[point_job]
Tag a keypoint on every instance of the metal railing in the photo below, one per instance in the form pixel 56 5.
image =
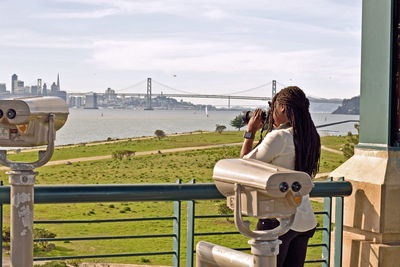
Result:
pixel 176 193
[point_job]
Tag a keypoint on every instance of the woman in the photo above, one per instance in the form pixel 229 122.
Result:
pixel 293 144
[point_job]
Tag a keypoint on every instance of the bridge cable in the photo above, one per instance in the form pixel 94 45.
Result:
pixel 131 86
pixel 281 84
pixel 237 92
pixel 181 91
pixel 251 89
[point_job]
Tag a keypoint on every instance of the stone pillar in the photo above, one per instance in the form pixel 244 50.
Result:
pixel 372 213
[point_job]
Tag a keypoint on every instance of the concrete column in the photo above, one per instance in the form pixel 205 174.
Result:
pixel 22 183
pixel 372 213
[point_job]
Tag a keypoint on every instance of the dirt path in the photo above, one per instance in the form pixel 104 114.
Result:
pixel 180 149
pixel 332 150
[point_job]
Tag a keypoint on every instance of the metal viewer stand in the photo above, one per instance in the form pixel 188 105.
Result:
pixel 264 244
pixel 22 181
pixel 261 190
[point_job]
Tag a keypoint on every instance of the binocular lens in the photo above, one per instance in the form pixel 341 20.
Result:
pixel 283 187
pixel 1 114
pixel 11 113
pixel 296 186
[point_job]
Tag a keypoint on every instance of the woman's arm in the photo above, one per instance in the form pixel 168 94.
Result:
pixel 255 124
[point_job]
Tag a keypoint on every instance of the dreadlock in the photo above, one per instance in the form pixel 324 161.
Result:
pixel 306 139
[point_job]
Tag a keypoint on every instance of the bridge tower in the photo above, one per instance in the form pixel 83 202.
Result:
pixel 273 88
pixel 148 95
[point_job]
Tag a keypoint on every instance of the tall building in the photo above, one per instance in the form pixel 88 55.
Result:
pixel 58 82
pixel 44 91
pixel 19 88
pixel 110 96
pixel 54 88
pixel 72 101
pixel 79 101
pixel 91 101
pixel 2 87
pixel 39 85
pixel 14 79
pixel 34 90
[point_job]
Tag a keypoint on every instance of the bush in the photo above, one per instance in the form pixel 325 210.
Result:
pixel 43 245
pixel 52 264
pixel 160 134
pixel 120 154
pixel 6 234
pixel 220 128
pixel 223 209
pixel 352 140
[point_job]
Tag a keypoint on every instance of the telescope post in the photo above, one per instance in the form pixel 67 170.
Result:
pixel 21 230
pixel 22 181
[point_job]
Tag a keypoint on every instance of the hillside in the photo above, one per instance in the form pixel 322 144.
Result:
pixel 349 106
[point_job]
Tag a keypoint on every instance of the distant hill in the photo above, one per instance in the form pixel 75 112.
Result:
pixel 349 106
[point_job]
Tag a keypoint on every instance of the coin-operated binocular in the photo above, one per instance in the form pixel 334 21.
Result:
pixel 27 122
pixel 260 190
pixel 24 122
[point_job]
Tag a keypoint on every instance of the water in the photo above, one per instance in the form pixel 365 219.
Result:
pixel 85 125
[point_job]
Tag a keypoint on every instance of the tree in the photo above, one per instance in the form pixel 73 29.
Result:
pixel 160 134
pixel 352 140
pixel 220 128
pixel 237 122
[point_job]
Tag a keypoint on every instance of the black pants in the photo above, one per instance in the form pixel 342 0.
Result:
pixel 292 251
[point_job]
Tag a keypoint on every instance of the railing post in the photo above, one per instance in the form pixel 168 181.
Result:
pixel 190 230
pixel 326 234
pixel 338 230
pixel 177 232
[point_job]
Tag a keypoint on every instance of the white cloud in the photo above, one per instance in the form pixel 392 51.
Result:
pixel 94 14
pixel 29 39
pixel 204 56
pixel 314 42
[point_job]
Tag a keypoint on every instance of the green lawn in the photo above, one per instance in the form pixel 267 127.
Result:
pixel 150 144
pixel 157 168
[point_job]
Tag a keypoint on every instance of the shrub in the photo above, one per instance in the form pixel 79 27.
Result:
pixel 43 245
pixel 120 154
pixel 160 134
pixel 224 210
pixel 220 128
pixel 352 140
pixel 6 234
pixel 52 264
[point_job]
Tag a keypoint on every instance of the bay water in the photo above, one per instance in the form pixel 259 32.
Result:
pixel 87 125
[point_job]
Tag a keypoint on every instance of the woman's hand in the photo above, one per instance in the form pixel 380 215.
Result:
pixel 255 122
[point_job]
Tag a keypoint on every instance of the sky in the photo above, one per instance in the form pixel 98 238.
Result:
pixel 200 46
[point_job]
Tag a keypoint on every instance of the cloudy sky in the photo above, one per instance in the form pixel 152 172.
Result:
pixel 202 46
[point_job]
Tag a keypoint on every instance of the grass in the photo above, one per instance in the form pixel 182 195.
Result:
pixel 138 145
pixel 152 143
pixel 156 168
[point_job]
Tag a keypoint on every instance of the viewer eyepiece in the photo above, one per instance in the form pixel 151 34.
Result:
pixel 11 113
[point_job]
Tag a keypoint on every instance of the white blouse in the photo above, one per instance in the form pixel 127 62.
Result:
pixel 278 149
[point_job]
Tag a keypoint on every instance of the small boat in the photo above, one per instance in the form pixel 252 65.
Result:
pixel 206 111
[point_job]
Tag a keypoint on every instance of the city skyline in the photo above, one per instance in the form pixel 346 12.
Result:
pixel 212 47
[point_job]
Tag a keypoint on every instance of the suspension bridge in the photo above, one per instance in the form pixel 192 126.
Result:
pixel 149 94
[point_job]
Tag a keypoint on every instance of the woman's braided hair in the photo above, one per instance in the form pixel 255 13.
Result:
pixel 305 136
